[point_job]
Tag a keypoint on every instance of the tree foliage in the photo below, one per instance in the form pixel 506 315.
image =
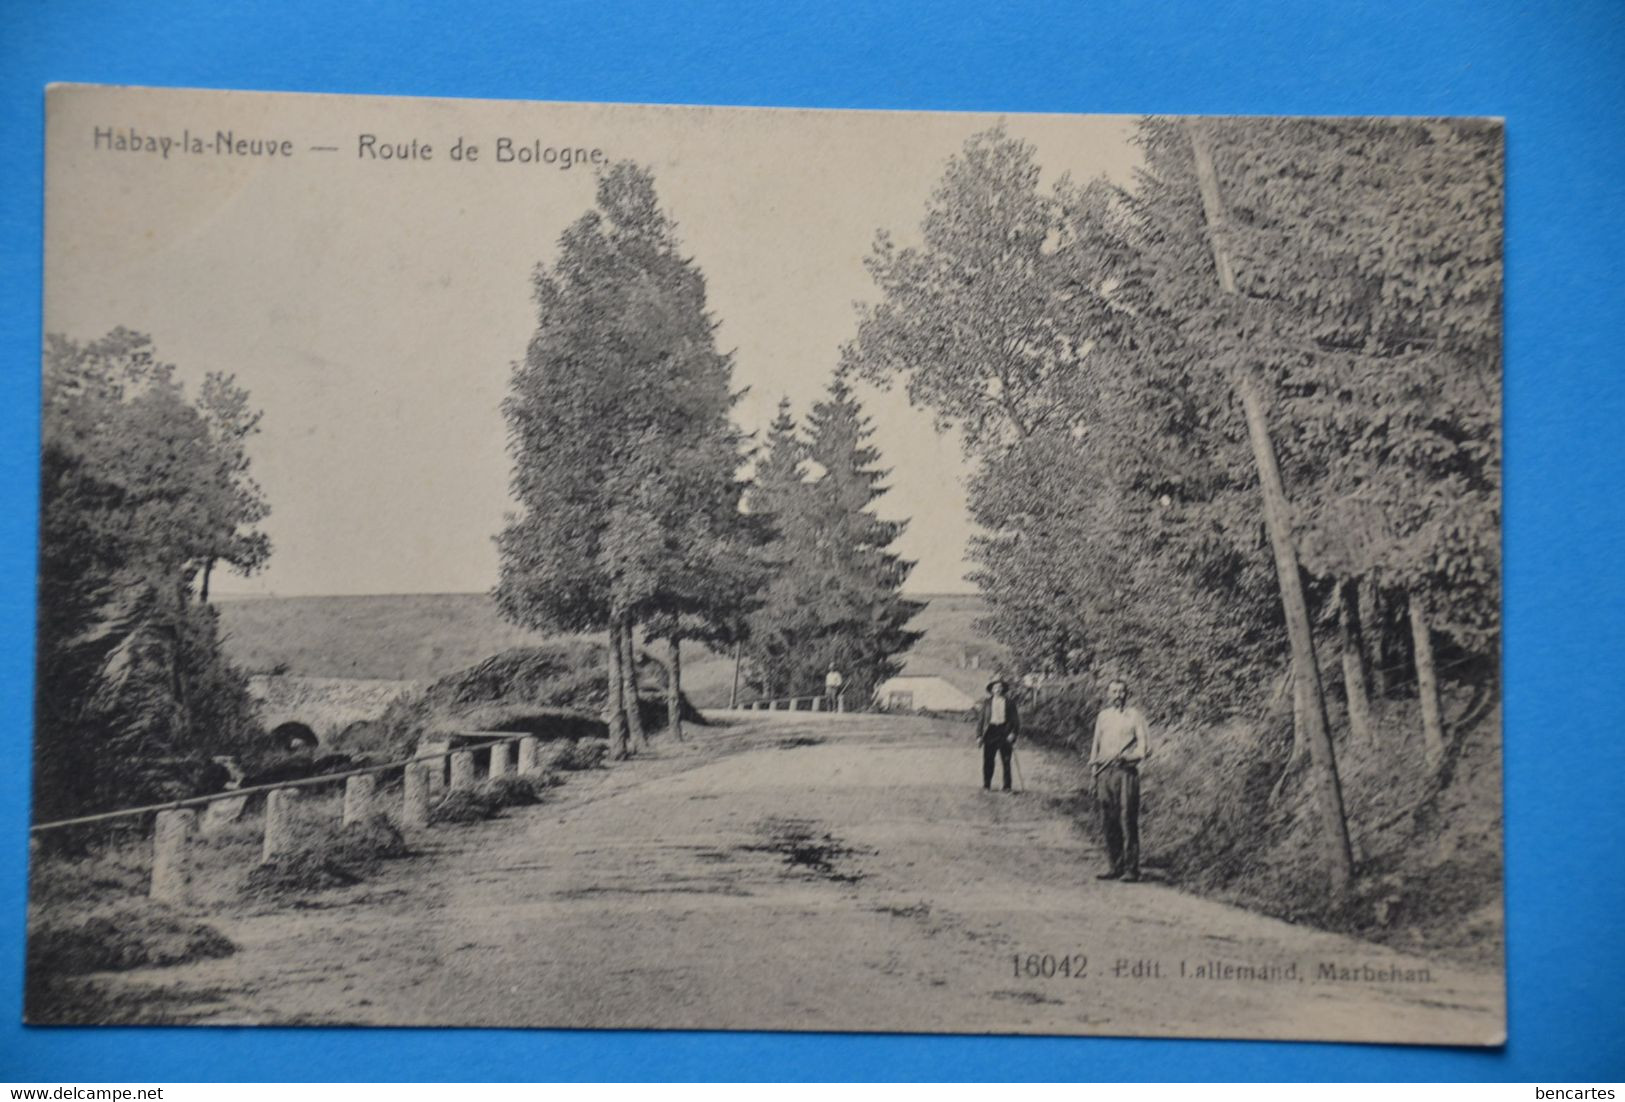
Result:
pixel 626 460
pixel 143 492
pixel 1078 339
pixel 835 595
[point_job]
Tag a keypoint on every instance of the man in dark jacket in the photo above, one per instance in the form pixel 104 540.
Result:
pixel 997 725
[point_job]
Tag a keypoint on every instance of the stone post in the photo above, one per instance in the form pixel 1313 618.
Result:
pixel 429 749
pixel 171 865
pixel 279 807
pixel 462 770
pixel 357 799
pixel 499 759
pixel 527 754
pixel 416 784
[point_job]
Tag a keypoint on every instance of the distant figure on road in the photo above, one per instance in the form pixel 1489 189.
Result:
pixel 1122 742
pixel 832 689
pixel 997 726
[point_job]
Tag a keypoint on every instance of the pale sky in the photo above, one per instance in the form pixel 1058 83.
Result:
pixel 373 309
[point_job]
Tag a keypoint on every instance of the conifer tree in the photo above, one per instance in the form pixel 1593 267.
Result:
pixel 778 500
pixel 836 600
pixel 864 614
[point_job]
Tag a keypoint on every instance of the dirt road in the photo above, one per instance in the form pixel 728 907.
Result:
pixel 804 872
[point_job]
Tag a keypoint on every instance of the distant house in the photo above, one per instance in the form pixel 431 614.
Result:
pixel 921 693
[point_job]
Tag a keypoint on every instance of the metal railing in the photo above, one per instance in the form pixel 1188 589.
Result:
pixel 817 703
pixel 302 782
pixel 176 823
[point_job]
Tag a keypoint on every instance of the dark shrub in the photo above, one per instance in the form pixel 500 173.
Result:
pixel 514 790
pixel 127 935
pixel 582 754
pixel 328 859
pixel 465 805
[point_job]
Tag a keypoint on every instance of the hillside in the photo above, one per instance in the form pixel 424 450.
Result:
pixel 420 637
pixel 952 648
pixel 395 637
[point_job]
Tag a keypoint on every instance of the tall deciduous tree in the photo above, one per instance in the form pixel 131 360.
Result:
pixel 1309 700
pixel 1373 248
pixel 1108 475
pixel 625 459
pixel 1303 304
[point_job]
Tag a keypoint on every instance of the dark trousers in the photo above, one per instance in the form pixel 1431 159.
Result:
pixel 996 743
pixel 1118 790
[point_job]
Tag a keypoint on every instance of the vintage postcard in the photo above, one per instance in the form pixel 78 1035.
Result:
pixel 606 566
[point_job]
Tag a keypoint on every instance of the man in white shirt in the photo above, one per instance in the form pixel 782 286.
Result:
pixel 997 726
pixel 832 688
pixel 1122 742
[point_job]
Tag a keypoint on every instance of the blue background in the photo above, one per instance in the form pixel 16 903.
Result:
pixel 1554 71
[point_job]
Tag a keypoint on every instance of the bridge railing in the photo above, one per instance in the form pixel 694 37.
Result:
pixel 422 775
pixel 818 703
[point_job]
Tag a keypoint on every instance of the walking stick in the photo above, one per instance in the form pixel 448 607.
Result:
pixel 1015 760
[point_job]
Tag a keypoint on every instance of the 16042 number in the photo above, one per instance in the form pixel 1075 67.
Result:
pixel 1048 966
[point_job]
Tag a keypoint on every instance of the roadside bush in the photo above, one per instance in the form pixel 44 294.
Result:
pixel 465 805
pixel 1064 717
pixel 513 790
pixel 375 838
pixel 1223 816
pixel 75 871
pixel 128 934
pixel 582 754
pixel 324 858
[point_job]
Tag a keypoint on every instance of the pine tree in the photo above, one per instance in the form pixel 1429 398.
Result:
pixel 864 614
pixel 778 499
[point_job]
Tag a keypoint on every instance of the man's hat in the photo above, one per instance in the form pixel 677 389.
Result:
pixel 998 680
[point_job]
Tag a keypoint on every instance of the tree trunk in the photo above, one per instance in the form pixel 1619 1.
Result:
pixel 1299 749
pixel 1355 683
pixel 674 687
pixel 1300 727
pixel 1308 699
pixel 614 695
pixel 629 673
pixel 1373 630
pixel 208 568
pixel 733 697
pixel 1427 683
